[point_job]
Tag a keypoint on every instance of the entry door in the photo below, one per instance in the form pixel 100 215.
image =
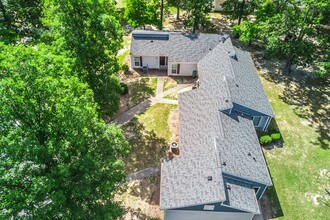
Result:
pixel 162 61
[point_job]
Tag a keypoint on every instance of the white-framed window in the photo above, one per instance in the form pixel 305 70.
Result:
pixel 256 121
pixel 209 207
pixel 137 61
pixel 174 68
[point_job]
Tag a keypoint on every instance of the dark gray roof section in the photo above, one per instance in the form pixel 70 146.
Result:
pixel 246 88
pixel 241 196
pixel 181 47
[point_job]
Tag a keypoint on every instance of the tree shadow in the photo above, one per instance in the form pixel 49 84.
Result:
pixel 270 204
pixel 139 91
pixel 310 99
pixel 147 148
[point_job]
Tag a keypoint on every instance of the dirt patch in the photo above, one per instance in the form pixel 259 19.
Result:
pixel 174 125
pixel 265 208
pixel 141 199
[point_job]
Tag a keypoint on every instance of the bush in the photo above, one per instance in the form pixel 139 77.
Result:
pixel 124 88
pixel 275 136
pixel 125 68
pixel 265 139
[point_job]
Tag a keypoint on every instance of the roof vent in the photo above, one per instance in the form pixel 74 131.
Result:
pixel 209 178
pixel 232 55
pixel 152 41
pixel 226 100
pixel 237 85
pixel 224 37
pixel 150 35
pixel 224 164
pixel 228 186
pixel 254 159
pixel 249 154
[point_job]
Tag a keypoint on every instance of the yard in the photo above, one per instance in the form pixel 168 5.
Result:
pixel 301 169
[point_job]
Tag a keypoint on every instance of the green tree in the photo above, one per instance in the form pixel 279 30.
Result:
pixel 288 28
pixel 58 160
pixel 20 18
pixel 197 11
pixel 89 32
pixel 141 12
pixel 239 9
pixel 178 5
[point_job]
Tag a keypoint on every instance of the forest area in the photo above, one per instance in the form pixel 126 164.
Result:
pixel 59 80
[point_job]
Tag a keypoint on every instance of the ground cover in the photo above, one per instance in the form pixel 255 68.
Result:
pixel 169 83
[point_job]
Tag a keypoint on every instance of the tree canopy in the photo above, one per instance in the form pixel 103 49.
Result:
pixel 139 13
pixel 197 12
pixel 239 9
pixel 58 159
pixel 289 29
pixel 89 32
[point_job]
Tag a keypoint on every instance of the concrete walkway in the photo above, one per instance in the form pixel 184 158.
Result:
pixel 160 85
pixel 128 115
pixel 143 174
pixel 169 101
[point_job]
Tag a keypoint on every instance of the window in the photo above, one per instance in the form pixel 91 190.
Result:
pixel 256 120
pixel 209 207
pixel 163 61
pixel 137 61
pixel 174 69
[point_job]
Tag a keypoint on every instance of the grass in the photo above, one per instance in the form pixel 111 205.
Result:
pixel 148 134
pixel 296 168
pixel 169 83
pixel 173 96
pixel 122 57
pixel 141 89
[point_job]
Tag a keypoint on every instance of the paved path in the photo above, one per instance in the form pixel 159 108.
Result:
pixel 160 85
pixel 169 101
pixel 128 115
pixel 143 174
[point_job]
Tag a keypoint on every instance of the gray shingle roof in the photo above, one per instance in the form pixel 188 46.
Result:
pixel 209 137
pixel 241 196
pixel 181 47
pixel 246 88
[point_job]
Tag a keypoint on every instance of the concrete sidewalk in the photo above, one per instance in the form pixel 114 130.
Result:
pixel 143 174
pixel 128 115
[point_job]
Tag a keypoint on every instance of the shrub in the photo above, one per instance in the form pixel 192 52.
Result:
pixel 125 68
pixel 265 139
pixel 124 88
pixel 275 136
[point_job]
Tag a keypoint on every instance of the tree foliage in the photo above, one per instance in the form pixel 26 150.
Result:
pixel 20 18
pixel 58 160
pixel 139 13
pixel 177 4
pixel 89 32
pixel 288 28
pixel 239 9
pixel 197 12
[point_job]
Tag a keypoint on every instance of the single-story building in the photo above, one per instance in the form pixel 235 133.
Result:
pixel 221 172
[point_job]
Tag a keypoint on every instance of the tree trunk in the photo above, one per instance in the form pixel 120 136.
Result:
pixel 161 15
pixel 288 64
pixel 178 13
pixel 241 12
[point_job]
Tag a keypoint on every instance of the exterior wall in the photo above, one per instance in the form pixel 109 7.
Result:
pixel 151 62
pixel 217 5
pixel 198 215
pixel 186 69
pixel 217 208
pixel 262 123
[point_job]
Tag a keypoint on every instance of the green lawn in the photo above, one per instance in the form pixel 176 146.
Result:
pixel 173 96
pixel 148 134
pixel 169 83
pixel 298 168
pixel 141 89
pixel 122 57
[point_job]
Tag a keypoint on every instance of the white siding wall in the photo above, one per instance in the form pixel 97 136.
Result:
pixel 151 62
pixel 206 215
pixel 186 69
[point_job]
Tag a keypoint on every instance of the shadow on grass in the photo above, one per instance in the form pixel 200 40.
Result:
pixel 273 128
pixel 270 204
pixel 147 148
pixel 148 190
pixel 140 90
pixel 310 99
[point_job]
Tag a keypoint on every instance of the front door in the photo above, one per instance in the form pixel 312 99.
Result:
pixel 162 61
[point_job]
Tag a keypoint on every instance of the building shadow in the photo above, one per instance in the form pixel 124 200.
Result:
pixel 270 204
